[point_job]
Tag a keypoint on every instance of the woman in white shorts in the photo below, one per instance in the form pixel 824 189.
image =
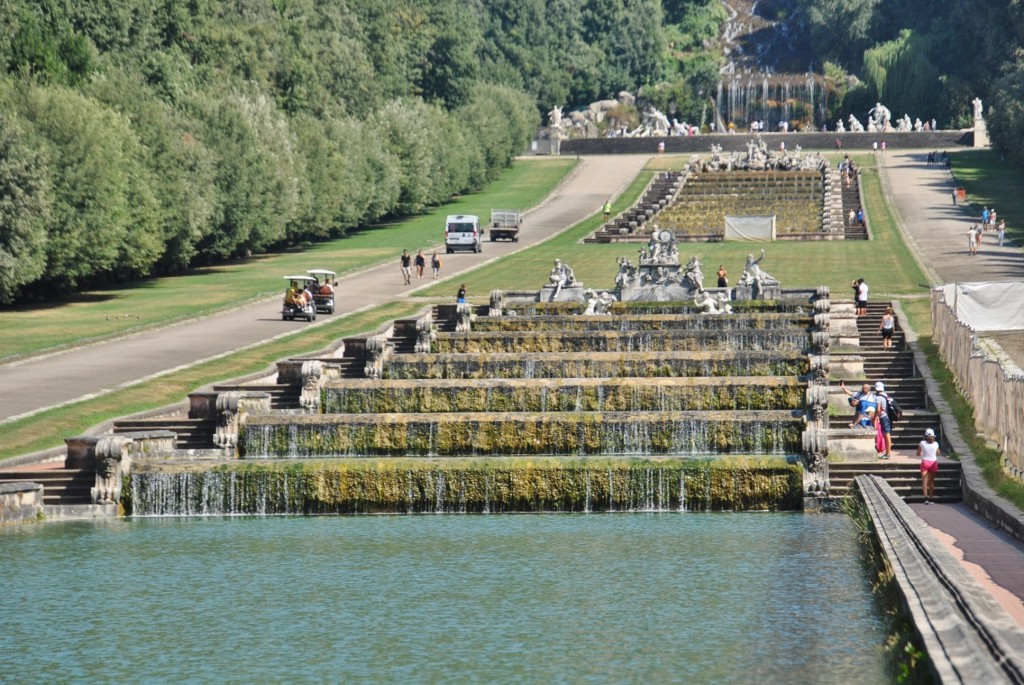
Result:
pixel 928 450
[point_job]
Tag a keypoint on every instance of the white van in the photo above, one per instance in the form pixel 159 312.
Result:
pixel 462 232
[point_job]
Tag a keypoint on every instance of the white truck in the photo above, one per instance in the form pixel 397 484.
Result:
pixel 505 225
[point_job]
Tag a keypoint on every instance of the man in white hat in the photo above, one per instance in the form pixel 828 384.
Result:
pixel 882 401
pixel 928 450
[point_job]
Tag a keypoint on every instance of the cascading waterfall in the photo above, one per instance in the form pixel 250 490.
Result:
pixel 582 486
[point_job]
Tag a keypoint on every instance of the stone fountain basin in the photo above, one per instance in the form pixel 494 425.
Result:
pixel 595 364
pixel 354 396
pixel 521 433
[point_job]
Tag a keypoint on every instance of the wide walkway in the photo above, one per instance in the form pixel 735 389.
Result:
pixel 936 230
pixel 80 373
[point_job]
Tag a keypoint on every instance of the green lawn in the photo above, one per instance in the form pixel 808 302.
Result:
pixel 104 313
pixel 992 183
pixel 884 262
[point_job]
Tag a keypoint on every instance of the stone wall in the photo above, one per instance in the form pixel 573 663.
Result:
pixel 937 140
pixel 993 384
pixel 20 502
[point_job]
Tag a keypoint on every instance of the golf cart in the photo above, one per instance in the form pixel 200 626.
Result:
pixel 323 297
pixel 298 303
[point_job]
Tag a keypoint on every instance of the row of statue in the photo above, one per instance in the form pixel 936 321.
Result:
pixel 759 158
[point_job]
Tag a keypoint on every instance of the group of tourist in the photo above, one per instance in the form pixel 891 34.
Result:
pixel 874 408
pixel 408 262
pixel 989 222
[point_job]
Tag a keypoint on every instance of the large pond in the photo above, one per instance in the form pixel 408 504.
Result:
pixel 599 598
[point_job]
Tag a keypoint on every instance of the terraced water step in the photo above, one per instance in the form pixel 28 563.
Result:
pixel 643 322
pixel 594 364
pixel 60 486
pixel 782 340
pixel 561 395
pixel 521 433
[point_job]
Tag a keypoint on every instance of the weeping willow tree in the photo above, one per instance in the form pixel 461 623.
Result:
pixel 901 76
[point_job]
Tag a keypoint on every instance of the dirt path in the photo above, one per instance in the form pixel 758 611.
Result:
pixel 50 381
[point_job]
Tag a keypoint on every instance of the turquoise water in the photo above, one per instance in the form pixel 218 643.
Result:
pixel 606 598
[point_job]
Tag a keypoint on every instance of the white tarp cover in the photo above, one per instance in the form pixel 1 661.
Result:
pixel 987 306
pixel 752 228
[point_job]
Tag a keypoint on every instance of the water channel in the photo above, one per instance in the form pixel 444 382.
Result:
pixel 570 598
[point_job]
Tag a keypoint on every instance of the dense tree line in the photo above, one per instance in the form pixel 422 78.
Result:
pixel 144 137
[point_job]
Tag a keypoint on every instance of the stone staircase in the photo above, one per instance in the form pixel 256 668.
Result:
pixel 627 227
pixel 903 477
pixel 61 487
pixel 193 435
pixel 897 370
pixel 282 396
pixel 852 201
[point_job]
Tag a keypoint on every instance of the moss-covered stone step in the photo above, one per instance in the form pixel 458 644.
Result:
pixel 786 339
pixel 358 396
pixel 629 321
pixel 595 364
pixel 463 485
pixel 526 433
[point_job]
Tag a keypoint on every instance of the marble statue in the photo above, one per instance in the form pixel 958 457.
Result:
pixel 628 275
pixel 598 303
pixel 855 124
pixel 661 249
pixel 976 102
pixel 882 115
pixel 840 127
pixel 709 304
pixel 754 276
pixel 555 117
pixel 562 276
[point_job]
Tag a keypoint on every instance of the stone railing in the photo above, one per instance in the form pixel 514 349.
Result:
pixel 969 637
pixel 424 333
pixel 229 409
pixel 20 502
pixel 992 383
pixel 464 318
pixel 111 455
pixel 377 352
pixel 312 380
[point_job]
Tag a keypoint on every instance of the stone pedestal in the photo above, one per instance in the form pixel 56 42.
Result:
pixel 980 133
pixel 572 293
pixel 671 292
pixel 768 292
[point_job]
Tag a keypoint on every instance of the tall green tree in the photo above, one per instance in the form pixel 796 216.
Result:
pixel 25 210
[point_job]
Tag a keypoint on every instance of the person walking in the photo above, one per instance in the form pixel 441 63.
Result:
pixel 460 296
pixel 607 209
pixel 928 450
pixel 421 263
pixel 435 264
pixel 406 263
pixel 723 276
pixel 972 240
pixel 1001 231
pixel 887 327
